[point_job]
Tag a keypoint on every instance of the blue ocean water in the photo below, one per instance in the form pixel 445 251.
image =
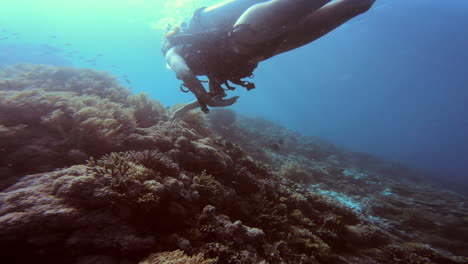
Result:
pixel 390 82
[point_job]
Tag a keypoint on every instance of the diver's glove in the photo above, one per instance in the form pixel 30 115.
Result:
pixel 204 98
pixel 219 101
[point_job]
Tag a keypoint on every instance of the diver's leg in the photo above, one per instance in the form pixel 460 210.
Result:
pixel 225 14
pixel 323 21
pixel 270 19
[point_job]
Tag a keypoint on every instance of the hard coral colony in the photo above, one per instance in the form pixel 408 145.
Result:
pixel 110 180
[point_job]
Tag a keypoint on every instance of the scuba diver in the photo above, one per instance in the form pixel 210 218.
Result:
pixel 225 42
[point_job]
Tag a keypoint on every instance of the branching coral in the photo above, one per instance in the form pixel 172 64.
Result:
pixel 210 190
pixel 120 167
pixel 148 112
pixel 176 257
pixel 157 161
pixel 82 122
pixel 66 79
pixel 295 171
pixel 198 121
pixel 133 175
pixel 132 183
pixel 88 121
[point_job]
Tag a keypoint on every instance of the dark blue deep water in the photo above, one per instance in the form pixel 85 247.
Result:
pixel 392 82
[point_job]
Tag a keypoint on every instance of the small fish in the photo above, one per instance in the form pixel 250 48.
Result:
pixel 4 30
pixel 128 81
pixel 53 36
pixel 99 55
pixel 125 76
pixel 67 44
pixel 15 34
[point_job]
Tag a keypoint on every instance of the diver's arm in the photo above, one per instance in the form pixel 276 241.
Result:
pixel 183 72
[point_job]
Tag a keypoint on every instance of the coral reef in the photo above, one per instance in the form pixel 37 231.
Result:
pixel 93 174
pixel 63 79
pixel 55 117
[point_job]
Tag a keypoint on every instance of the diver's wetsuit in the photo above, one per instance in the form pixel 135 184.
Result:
pixel 209 53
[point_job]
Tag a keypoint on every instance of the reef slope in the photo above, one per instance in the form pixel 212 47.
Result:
pixel 94 174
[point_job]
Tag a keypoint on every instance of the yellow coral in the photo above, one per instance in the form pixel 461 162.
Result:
pixel 176 257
